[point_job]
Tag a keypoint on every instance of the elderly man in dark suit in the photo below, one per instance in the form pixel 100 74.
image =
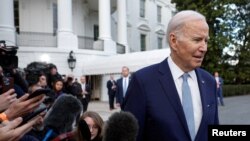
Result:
pixel 175 100
pixel 122 85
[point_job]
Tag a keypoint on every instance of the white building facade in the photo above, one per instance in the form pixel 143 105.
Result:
pixel 104 34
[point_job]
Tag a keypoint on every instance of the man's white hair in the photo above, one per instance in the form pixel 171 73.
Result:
pixel 179 20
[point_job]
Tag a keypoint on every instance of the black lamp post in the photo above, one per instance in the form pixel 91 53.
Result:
pixel 71 60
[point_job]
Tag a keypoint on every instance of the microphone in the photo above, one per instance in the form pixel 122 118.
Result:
pixel 121 126
pixel 64 114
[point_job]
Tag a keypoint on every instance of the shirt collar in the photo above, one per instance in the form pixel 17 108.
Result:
pixel 176 71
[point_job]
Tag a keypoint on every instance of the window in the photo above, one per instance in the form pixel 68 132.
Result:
pixel 55 23
pixel 158 14
pixel 16 15
pixel 159 43
pixel 96 32
pixel 142 8
pixel 143 42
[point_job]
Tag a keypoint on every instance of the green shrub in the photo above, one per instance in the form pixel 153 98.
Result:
pixel 234 90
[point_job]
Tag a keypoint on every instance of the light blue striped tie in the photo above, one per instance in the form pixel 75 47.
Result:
pixel 188 105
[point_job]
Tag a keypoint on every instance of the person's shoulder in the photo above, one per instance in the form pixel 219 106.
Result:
pixel 147 70
pixel 119 79
pixel 204 73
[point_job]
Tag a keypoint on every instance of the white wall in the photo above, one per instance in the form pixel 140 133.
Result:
pixel 36 15
pixel 59 58
pixel 78 12
pixel 150 20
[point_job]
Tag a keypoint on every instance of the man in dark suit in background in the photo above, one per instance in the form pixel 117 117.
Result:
pixel 122 85
pixel 86 93
pixel 111 86
pixel 219 82
pixel 176 100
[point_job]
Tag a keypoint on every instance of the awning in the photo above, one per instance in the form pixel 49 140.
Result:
pixel 134 61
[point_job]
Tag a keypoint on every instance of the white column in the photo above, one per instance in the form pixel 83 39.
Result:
pixel 104 20
pixel 122 24
pixel 66 38
pixel 105 43
pixel 7 28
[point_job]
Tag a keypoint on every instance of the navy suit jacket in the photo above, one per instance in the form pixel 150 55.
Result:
pixel 153 98
pixel 119 90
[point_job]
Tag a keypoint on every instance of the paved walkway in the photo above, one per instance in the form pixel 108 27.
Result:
pixel 235 111
pixel 102 108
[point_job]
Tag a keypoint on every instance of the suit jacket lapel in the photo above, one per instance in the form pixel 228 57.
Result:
pixel 170 91
pixel 203 93
pixel 204 100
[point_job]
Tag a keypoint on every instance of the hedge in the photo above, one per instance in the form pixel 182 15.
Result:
pixel 234 90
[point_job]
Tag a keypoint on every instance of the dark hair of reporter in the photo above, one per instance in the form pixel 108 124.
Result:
pixel 121 126
pixel 98 122
pixel 52 74
pixel 34 70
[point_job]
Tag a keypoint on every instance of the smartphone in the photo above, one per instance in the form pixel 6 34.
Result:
pixel 39 110
pixel 39 92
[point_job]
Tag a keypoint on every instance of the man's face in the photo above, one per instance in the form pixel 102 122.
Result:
pixel 53 71
pixel 216 74
pixel 190 47
pixel 83 79
pixel 42 81
pixel 125 71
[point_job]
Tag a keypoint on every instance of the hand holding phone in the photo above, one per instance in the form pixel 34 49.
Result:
pixel 39 110
pixel 39 92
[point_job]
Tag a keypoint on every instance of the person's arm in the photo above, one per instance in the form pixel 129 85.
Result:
pixel 221 81
pixel 11 132
pixel 23 106
pixel 88 89
pixel 108 86
pixel 117 96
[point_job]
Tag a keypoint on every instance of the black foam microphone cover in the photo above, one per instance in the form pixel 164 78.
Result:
pixel 121 126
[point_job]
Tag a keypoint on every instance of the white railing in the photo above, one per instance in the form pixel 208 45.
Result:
pixel 85 42
pixel 120 49
pixel 36 39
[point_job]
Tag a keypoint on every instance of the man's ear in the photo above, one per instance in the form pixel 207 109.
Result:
pixel 172 41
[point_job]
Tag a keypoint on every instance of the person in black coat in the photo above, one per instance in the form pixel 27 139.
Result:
pixel 85 93
pixel 111 85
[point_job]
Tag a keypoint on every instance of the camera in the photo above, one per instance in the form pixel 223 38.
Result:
pixel 8 58
pixel 8 62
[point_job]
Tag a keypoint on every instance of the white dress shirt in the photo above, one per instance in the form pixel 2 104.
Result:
pixel 125 84
pixel 194 88
pixel 83 89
